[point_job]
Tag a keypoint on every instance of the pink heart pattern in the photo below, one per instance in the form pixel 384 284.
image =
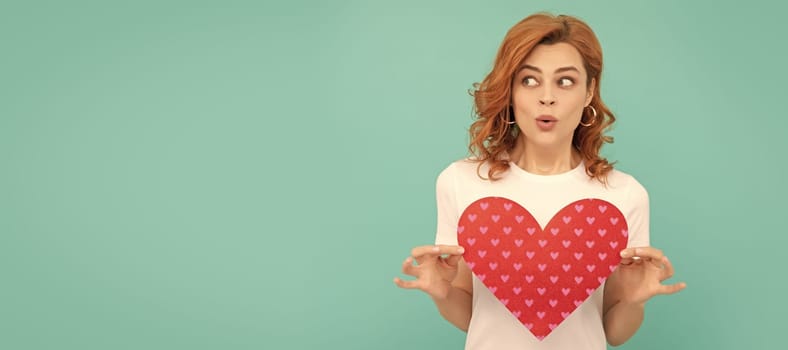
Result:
pixel 542 275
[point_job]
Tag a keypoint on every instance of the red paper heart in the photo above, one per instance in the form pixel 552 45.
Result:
pixel 542 275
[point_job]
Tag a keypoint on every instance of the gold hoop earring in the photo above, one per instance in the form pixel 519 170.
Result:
pixel 593 117
pixel 509 116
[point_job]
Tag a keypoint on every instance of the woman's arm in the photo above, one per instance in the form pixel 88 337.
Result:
pixel 447 280
pixel 637 279
pixel 620 319
pixel 456 306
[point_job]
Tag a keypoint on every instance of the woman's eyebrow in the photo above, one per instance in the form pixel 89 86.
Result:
pixel 559 70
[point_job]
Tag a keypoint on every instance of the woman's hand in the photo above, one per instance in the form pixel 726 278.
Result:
pixel 641 273
pixel 435 269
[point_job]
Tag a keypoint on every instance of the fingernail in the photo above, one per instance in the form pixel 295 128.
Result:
pixel 436 249
pixel 624 253
pixel 461 250
pixel 408 259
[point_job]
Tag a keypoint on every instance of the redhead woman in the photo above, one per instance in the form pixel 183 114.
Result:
pixel 540 124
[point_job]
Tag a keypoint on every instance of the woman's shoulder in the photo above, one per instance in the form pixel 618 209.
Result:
pixel 627 182
pixel 617 175
pixel 460 169
pixel 468 165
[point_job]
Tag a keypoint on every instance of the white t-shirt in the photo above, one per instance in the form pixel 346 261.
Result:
pixel 492 326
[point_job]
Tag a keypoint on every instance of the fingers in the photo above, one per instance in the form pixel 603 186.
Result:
pixel 633 260
pixel 452 260
pixel 667 271
pixel 436 250
pixel 408 268
pixel 411 270
pixel 671 288
pixel 431 251
pixel 406 284
pixel 443 254
pixel 642 252
pixel 655 257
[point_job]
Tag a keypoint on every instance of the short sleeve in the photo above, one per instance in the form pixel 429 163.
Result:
pixel 638 215
pixel 446 200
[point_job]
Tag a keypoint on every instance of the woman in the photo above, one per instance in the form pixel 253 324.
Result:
pixel 537 141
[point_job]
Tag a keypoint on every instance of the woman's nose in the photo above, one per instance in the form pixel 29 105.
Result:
pixel 547 98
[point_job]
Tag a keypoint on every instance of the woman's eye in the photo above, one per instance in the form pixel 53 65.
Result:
pixel 566 82
pixel 530 81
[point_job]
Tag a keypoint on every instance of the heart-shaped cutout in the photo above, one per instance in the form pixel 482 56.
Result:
pixel 542 275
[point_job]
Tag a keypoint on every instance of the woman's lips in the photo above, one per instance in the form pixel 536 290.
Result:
pixel 546 122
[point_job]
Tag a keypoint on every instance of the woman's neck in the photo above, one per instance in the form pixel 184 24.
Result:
pixel 545 161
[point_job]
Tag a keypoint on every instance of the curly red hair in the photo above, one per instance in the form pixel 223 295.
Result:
pixel 492 137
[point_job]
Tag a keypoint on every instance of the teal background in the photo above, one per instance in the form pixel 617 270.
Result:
pixel 247 175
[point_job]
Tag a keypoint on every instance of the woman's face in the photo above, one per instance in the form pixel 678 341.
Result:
pixel 549 93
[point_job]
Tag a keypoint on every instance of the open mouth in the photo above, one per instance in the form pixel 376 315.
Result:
pixel 546 122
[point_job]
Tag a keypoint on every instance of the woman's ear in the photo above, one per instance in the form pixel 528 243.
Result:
pixel 590 94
